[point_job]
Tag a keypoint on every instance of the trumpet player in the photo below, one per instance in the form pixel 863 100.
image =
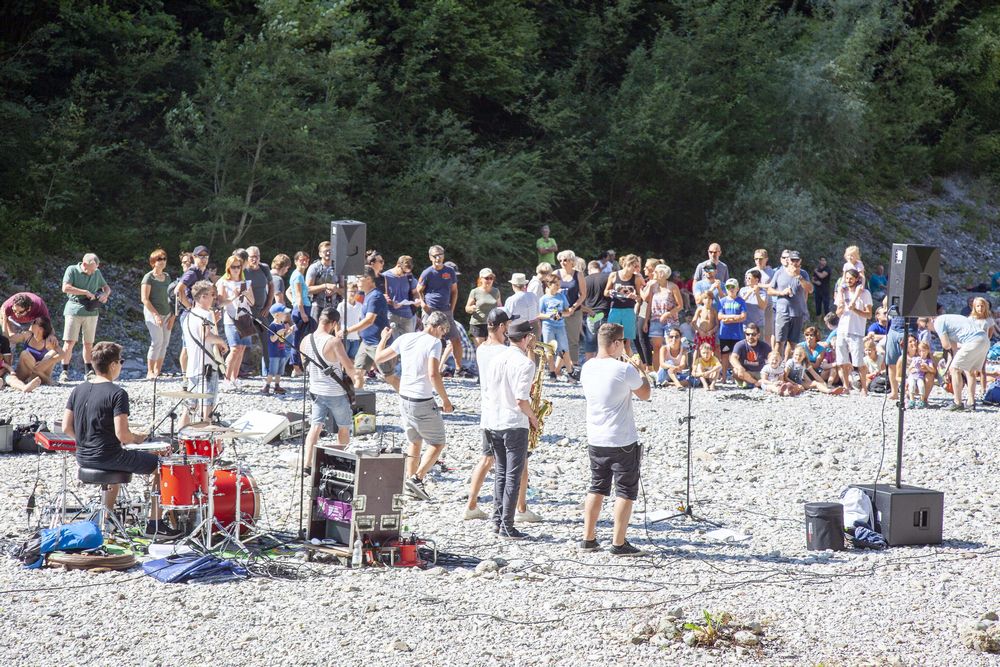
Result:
pixel 609 380
pixel 506 419
pixel 495 345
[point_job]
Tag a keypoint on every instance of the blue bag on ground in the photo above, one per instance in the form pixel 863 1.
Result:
pixel 80 536
pixel 992 395
pixel 194 569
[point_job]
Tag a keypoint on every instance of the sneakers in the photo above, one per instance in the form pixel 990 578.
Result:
pixel 510 533
pixel 626 548
pixel 161 529
pixel 563 376
pixel 266 390
pixel 911 404
pixel 955 407
pixel 921 404
pixel 576 373
pixel 279 390
pixel 415 486
pixel 589 545
pixel 553 376
pixel 64 376
pixel 90 375
pixel 474 514
pixel 527 516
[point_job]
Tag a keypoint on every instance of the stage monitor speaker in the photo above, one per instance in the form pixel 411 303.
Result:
pixel 907 514
pixel 913 280
pixel 258 421
pixel 347 238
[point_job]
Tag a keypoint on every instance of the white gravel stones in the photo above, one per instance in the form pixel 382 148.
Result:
pixel 815 606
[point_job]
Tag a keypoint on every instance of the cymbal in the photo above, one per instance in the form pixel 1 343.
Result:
pixel 206 426
pixel 184 395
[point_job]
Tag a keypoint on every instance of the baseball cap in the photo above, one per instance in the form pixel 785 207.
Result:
pixel 200 250
pixel 794 254
pixel 519 330
pixel 453 267
pixel 499 316
pixel 709 267
pixel 486 273
pixel 518 279
pixel 732 282
pixel 279 308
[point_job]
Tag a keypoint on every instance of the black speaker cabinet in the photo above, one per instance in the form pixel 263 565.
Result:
pixel 347 240
pixel 355 495
pixel 907 514
pixel 913 279
pixel 364 401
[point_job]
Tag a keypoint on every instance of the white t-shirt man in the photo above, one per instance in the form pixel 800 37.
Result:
pixel 485 356
pixel 195 329
pixel 607 386
pixel 851 323
pixel 506 380
pixel 415 351
pixel 522 304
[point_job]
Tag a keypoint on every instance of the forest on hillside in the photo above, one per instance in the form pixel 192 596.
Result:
pixel 640 125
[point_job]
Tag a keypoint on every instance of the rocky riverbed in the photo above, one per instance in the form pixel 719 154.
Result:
pixel 757 459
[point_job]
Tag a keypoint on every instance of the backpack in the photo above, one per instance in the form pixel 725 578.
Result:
pixel 993 394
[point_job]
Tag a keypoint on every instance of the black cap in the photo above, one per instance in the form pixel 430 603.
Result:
pixel 498 316
pixel 794 254
pixel 710 267
pixel 200 250
pixel 519 330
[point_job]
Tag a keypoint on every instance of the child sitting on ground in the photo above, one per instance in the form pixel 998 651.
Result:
pixel 921 371
pixel 706 367
pixel 873 361
pixel 278 348
pixel 772 376
pixel 799 371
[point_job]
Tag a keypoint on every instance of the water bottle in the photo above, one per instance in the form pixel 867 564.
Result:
pixel 405 535
pixel 356 556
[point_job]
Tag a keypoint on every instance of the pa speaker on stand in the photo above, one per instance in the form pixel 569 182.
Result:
pixel 348 242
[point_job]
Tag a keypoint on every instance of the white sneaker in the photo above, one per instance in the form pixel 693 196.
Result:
pixel 474 514
pixel 64 376
pixel 527 516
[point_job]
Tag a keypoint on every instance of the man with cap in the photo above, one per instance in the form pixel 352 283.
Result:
pixel 970 346
pixel 709 287
pixel 374 318
pixel 278 341
pixel 193 274
pixel 714 255
pixel 732 314
pixel 495 346
pixel 791 285
pixel 505 381
pixel 522 303
pixel 420 417
pixel 438 290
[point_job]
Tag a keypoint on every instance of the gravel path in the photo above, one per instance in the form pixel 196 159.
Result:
pixel 758 458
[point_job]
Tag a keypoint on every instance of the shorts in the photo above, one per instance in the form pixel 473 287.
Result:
pixel 453 328
pixel 727 344
pixel 333 412
pixel 403 323
pixel 365 359
pixel 139 463
pixel 233 337
pixel 620 464
pixel 624 317
pixel 557 334
pixel 893 347
pixel 700 338
pixel 422 420
pixel 351 346
pixel 478 331
pixel 211 386
pixel 275 366
pixel 850 350
pixel 75 324
pixel 658 329
pixel 787 329
pixel 971 356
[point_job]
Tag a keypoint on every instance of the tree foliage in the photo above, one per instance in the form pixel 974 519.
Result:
pixel 639 124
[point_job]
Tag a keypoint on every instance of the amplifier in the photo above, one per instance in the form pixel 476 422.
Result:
pixel 907 514
pixel 364 401
pixel 355 495
pixel 296 424
pixel 56 441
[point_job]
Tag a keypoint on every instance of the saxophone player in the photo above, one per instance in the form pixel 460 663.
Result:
pixel 496 344
pixel 507 417
pixel 608 385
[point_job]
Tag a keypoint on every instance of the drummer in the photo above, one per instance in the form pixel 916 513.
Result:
pixel 97 417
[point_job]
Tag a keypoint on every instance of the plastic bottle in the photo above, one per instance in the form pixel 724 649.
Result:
pixel 405 536
pixel 356 556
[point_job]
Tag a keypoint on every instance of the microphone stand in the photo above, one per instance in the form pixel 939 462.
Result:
pixel 686 509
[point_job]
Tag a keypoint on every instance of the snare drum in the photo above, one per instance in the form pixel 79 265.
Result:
pixel 160 443
pixel 183 484
pixel 225 495
pixel 198 442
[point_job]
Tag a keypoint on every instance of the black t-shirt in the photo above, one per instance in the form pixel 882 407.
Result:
pixel 752 358
pixel 596 282
pixel 822 284
pixel 95 406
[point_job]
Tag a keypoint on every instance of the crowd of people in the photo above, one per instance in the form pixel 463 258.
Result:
pixel 618 326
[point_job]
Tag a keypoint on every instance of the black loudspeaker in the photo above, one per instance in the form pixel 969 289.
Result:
pixel 347 238
pixel 907 514
pixel 913 280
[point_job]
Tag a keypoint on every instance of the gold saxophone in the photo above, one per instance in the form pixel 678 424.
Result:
pixel 540 407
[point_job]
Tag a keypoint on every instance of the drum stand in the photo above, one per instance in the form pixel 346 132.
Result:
pixel 58 508
pixel 233 534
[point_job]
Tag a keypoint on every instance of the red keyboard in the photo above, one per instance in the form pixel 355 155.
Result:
pixel 55 442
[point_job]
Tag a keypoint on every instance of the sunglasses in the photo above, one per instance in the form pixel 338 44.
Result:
pixel 235 266
pixel 201 256
pixel 159 259
pixel 673 336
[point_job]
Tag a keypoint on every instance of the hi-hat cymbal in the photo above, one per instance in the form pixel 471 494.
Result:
pixel 184 395
pixel 207 427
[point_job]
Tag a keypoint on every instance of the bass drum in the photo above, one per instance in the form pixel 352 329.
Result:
pixel 225 496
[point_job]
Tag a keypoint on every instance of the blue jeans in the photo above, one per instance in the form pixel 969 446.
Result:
pixel 302 329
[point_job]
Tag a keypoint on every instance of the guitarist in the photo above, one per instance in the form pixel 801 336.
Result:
pixel 87 293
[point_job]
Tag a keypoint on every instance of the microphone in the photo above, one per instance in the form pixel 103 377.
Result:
pixel 392 325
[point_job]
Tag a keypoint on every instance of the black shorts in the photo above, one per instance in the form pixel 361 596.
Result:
pixel 620 464
pixel 478 331
pixel 4 344
pixel 139 463
pixel 727 344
